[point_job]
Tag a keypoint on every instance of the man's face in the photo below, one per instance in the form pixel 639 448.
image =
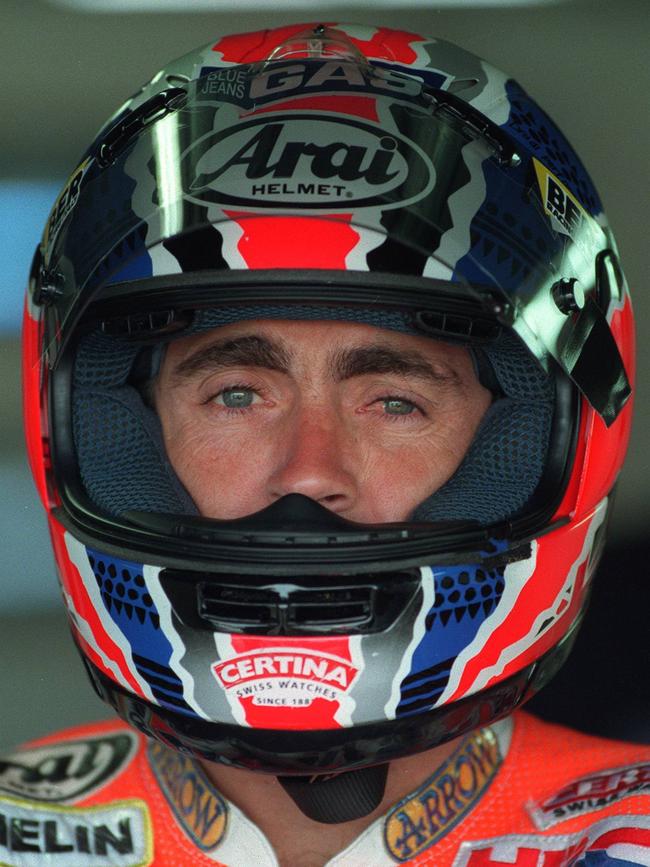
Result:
pixel 365 421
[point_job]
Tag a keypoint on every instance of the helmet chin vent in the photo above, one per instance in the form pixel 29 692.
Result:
pixel 229 607
pixel 307 605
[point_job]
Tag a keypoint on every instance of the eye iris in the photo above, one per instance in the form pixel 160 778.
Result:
pixel 237 398
pixel 395 406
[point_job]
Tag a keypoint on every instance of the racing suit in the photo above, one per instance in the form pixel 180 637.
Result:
pixel 520 792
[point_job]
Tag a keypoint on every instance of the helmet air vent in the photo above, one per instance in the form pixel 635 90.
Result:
pixel 450 326
pixel 319 43
pixel 310 604
pixel 272 611
pixel 130 126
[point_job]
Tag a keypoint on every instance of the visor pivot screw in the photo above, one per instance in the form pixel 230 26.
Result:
pixel 105 155
pixel 568 295
pixel 49 288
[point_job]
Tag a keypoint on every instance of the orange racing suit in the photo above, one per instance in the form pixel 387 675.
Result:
pixel 519 792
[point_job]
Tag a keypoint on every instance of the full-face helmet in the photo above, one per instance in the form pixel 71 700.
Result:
pixel 345 173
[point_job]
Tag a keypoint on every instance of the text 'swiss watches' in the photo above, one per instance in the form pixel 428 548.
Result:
pixel 328 172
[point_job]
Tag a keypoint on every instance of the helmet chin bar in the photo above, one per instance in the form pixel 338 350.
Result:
pixel 329 751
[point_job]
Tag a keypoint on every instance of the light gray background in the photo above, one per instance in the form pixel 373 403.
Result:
pixel 64 72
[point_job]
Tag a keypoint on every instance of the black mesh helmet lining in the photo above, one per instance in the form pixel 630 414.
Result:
pixel 124 466
pixel 393 320
pixel 504 464
pixel 120 450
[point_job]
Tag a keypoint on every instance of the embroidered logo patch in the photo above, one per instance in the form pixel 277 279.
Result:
pixel 112 835
pixel 426 815
pixel 589 794
pixel 622 841
pixel 66 771
pixel 201 811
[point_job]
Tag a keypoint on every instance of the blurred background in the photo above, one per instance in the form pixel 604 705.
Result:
pixel 67 64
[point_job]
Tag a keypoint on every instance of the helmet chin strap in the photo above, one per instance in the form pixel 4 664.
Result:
pixel 338 798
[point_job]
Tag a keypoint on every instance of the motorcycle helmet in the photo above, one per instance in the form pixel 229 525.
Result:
pixel 345 173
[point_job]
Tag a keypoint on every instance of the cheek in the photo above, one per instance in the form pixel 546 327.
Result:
pixel 223 473
pixel 401 477
pixel 398 481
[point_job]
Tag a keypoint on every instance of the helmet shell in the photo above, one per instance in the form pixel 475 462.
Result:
pixel 458 183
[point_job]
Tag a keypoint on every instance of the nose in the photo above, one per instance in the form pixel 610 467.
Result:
pixel 316 461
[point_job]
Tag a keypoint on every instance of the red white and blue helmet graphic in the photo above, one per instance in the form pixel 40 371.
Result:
pixel 337 172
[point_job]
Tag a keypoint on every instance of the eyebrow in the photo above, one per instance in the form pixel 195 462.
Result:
pixel 250 350
pixel 254 350
pixel 380 358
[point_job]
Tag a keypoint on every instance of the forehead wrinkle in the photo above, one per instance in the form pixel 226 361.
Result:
pixel 249 350
pixel 380 358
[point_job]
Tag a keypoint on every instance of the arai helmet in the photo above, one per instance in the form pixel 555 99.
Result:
pixel 343 173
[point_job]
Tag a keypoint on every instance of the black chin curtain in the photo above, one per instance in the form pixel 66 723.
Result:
pixel 343 797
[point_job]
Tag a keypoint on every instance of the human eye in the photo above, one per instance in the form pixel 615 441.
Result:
pixel 236 397
pixel 397 406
